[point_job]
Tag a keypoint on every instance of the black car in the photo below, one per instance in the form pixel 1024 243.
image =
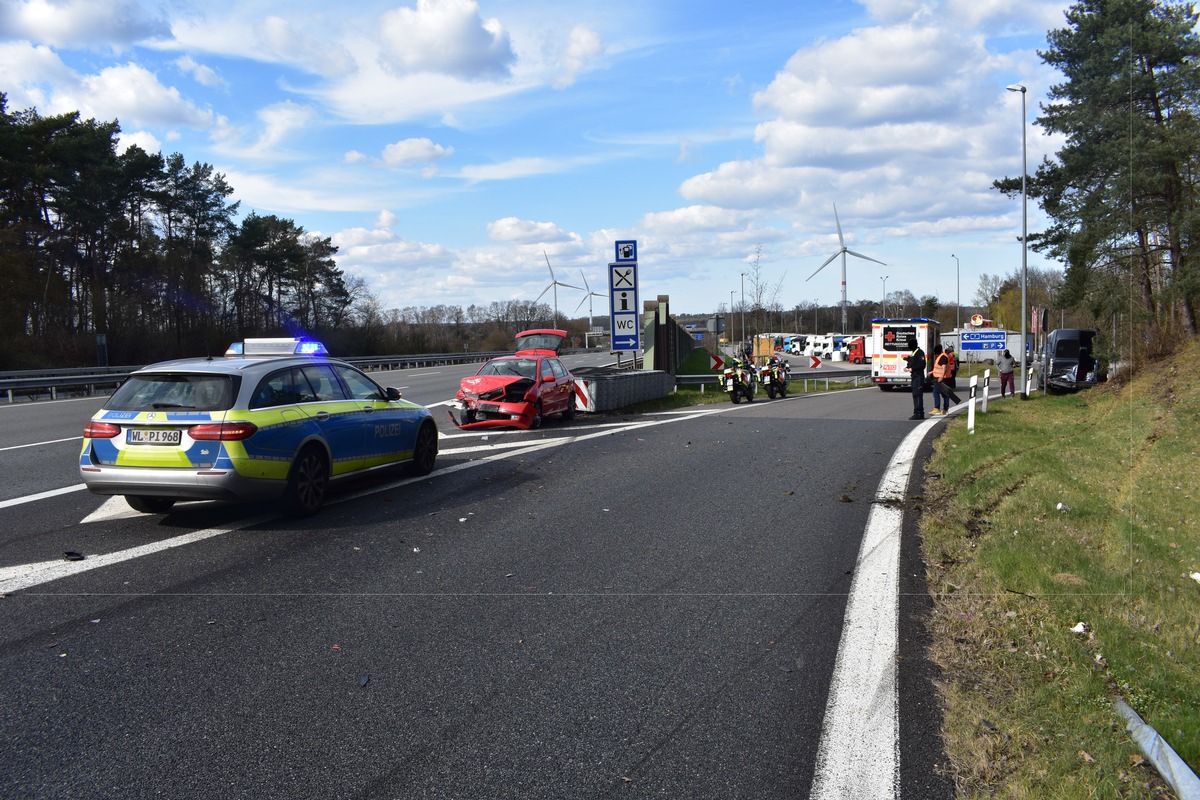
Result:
pixel 1069 361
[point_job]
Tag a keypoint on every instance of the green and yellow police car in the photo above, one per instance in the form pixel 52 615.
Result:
pixel 272 419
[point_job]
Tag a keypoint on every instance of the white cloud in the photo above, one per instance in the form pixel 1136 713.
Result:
pixel 746 184
pixel 144 140
pixel 523 168
pixel 114 24
pixel 134 95
pixel 279 120
pixel 313 53
pixel 311 41
pixel 28 75
pixel 682 221
pixel 446 36
pixel 882 74
pixel 373 95
pixel 583 46
pixel 203 75
pixel 520 231
pixel 414 151
pixel 513 168
pixel 35 77
pixel 276 123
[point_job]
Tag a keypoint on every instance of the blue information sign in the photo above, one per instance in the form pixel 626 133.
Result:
pixel 623 306
pixel 983 340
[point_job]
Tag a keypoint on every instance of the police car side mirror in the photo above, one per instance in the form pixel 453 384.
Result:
pixel 393 393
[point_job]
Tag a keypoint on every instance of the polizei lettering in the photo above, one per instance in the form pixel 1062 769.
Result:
pixel 388 431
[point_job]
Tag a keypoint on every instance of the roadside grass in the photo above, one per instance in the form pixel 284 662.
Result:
pixel 1027 701
pixel 688 395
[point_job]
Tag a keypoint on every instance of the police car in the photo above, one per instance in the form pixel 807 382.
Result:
pixel 272 419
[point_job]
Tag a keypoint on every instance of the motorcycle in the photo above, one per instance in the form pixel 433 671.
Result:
pixel 739 381
pixel 774 378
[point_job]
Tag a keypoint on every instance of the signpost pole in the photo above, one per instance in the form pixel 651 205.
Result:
pixel 971 406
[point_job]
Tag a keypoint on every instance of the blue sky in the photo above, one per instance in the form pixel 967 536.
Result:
pixel 445 145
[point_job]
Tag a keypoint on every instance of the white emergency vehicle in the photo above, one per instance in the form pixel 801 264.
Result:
pixel 894 341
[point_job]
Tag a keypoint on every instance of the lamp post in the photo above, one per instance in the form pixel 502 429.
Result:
pixel 958 289
pixel 884 303
pixel 743 309
pixel 731 293
pixel 1024 239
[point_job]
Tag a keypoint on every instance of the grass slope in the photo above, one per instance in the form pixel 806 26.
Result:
pixel 1028 701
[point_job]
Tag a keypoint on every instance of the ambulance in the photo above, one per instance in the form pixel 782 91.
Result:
pixel 894 340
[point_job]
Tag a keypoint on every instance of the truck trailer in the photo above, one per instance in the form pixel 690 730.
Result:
pixel 894 340
pixel 860 349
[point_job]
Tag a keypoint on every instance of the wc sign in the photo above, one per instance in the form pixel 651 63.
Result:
pixel 623 300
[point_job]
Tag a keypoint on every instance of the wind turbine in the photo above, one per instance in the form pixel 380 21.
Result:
pixel 843 251
pixel 554 284
pixel 587 298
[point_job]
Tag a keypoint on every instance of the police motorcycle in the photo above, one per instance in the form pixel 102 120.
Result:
pixel 740 380
pixel 774 377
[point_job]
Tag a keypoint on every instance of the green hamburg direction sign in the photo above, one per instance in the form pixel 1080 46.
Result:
pixel 623 306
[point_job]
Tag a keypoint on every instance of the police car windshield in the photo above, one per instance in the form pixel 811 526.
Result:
pixel 174 392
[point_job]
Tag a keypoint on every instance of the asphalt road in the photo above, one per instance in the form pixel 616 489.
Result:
pixel 643 606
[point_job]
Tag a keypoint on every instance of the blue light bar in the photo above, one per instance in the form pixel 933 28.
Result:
pixel 277 347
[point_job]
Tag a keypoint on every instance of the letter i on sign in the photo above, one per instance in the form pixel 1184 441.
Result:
pixel 624 301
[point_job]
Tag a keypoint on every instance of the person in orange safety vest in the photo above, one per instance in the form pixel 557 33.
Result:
pixel 937 374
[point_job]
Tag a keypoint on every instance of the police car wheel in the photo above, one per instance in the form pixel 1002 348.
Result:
pixel 307 483
pixel 425 449
pixel 150 505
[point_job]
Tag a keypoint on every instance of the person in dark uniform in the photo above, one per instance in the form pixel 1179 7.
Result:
pixel 916 366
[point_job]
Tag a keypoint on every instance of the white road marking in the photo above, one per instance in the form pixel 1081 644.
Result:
pixel 39 444
pixel 27 576
pixel 30 498
pixel 116 507
pixel 859 752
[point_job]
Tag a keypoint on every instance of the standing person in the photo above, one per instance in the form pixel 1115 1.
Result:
pixel 953 358
pixel 937 374
pixel 949 380
pixel 916 366
pixel 1006 364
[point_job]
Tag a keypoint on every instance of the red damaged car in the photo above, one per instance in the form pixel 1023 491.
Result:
pixel 520 390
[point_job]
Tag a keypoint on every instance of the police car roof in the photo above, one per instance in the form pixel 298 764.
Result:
pixel 240 356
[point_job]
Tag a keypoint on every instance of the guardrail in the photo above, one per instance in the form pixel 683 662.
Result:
pixel 839 376
pixel 33 383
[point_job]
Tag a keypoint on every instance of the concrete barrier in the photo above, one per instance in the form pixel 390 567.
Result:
pixel 599 389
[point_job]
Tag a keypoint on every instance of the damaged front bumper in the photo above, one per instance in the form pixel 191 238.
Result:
pixel 491 415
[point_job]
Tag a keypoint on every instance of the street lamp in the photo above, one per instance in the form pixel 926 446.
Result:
pixel 743 309
pixel 958 289
pixel 730 326
pixel 1024 238
pixel 884 303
